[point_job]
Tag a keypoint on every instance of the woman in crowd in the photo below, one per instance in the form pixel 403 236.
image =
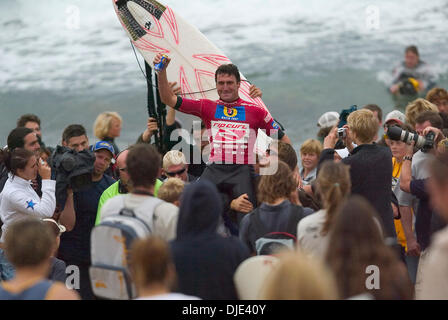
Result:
pixel 18 198
pixel 107 127
pixel 356 247
pixel 276 213
pixel 333 186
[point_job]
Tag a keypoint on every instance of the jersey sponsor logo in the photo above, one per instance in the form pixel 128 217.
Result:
pixel 228 113
pixel 228 132
pixel 275 125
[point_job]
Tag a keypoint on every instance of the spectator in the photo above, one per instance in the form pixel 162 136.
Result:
pixel 27 139
pixel 439 97
pixel 326 122
pixel 309 153
pixel 299 277
pixel 29 245
pixel 153 270
pixel 394 117
pixel 18 199
pixel 355 244
pixel 276 212
pixel 75 244
pixel 171 191
pixel 378 112
pixel 434 273
pixel 414 171
pixel 75 137
pixel 31 121
pixel 370 164
pixel 200 250
pixel 398 149
pixel 122 186
pixel 413 67
pixel 57 267
pixel 107 127
pixel 143 167
pixel 175 166
pixel 414 108
pixel 333 186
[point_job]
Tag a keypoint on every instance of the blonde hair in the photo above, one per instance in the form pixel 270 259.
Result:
pixel 299 277
pixel 414 108
pixel 171 190
pixel 311 146
pixel 103 123
pixel 173 158
pixel 333 185
pixel 364 124
pixel 151 263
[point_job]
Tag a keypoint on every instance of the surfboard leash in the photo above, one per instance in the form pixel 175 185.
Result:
pixel 146 78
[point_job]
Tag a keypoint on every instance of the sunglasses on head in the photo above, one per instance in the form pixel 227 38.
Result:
pixel 172 174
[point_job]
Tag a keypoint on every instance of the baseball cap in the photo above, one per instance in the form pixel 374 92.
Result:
pixel 395 115
pixel 104 145
pixel 328 119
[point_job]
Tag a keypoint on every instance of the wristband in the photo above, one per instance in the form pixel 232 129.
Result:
pixel 407 158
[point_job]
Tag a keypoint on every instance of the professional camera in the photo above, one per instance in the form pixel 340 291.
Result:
pixel 425 143
pixel 71 169
pixel 408 85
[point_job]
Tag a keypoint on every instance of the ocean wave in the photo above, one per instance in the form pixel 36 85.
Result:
pixel 43 48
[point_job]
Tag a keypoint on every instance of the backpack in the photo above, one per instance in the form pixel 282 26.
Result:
pixel 268 243
pixel 111 242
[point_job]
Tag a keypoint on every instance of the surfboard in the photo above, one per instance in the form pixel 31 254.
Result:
pixel 155 28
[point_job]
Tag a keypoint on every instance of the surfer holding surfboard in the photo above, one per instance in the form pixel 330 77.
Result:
pixel 232 125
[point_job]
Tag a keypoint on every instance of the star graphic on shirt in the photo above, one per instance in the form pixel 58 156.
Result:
pixel 30 204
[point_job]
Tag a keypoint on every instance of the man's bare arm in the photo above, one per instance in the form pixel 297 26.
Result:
pixel 166 93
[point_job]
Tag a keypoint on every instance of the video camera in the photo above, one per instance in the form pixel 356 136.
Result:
pixel 71 169
pixel 425 143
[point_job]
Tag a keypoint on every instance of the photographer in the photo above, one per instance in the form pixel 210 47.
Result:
pixel 75 244
pixel 413 75
pixel 370 164
pixel 414 171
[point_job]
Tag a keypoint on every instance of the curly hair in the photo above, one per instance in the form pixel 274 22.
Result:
pixel 278 185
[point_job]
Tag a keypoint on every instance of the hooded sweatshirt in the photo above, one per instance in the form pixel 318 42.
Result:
pixel 205 261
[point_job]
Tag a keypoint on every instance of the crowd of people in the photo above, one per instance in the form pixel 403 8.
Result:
pixel 367 194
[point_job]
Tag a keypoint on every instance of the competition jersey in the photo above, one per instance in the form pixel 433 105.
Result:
pixel 232 127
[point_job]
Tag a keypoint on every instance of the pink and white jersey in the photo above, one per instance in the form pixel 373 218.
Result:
pixel 232 127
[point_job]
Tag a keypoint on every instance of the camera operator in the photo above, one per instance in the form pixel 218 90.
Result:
pixel 75 244
pixel 413 75
pixel 414 173
pixel 370 164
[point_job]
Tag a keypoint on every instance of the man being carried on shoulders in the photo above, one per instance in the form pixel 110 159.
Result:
pixel 232 126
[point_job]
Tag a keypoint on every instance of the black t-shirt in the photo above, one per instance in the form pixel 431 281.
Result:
pixel 75 244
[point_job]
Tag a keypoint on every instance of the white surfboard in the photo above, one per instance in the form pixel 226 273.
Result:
pixel 155 28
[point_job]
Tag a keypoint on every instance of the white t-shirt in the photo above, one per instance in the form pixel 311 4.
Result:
pixel 309 237
pixel 169 296
pixel 163 222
